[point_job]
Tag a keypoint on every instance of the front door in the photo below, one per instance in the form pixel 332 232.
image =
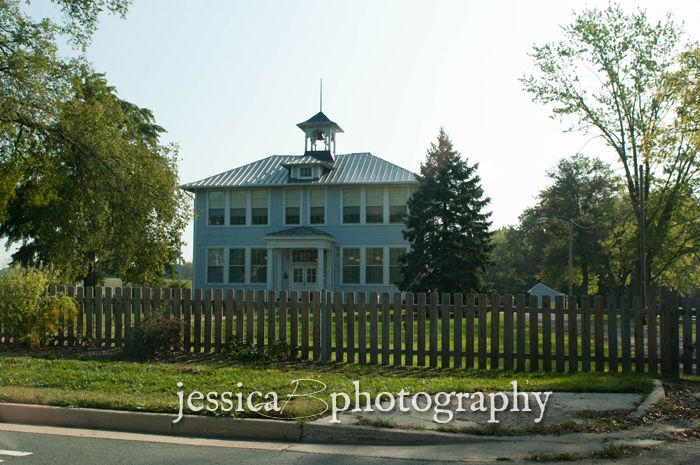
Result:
pixel 304 277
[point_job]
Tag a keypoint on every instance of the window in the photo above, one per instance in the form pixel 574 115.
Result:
pixel 259 207
pixel 351 206
pixel 258 265
pixel 374 211
pixel 236 265
pixel 397 204
pixel 374 265
pixel 311 275
pixel 351 266
pixel 215 265
pixel 292 209
pixel 395 254
pixel 237 207
pixel 317 206
pixel 304 256
pixel 305 172
pixel 217 204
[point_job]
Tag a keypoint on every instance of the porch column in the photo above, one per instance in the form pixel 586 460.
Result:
pixel 319 270
pixel 270 267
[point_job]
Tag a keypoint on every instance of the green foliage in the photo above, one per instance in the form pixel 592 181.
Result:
pixel 85 184
pixel 155 335
pixel 447 227
pixel 245 351
pixel 626 80
pixel 27 311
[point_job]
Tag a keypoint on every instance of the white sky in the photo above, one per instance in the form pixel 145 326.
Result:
pixel 229 80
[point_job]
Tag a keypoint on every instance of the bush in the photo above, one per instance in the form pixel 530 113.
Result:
pixel 27 311
pixel 156 334
pixel 244 351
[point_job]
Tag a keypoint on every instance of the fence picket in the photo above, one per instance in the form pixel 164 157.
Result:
pixel 508 332
pixel 228 304
pixel 397 321
pixel 652 340
pixel 534 334
pixel 294 323
pixel 240 314
pixel 458 338
pixel 433 343
pixel 118 310
pixel 421 329
pixel 585 334
pixel 625 337
pixel 207 314
pixel 573 334
pixel 373 329
pixel 283 317
pixel 249 316
pixel 638 316
pixel 99 312
pixel 316 328
pixel 386 324
pixel 260 315
pixel 186 319
pixel 445 330
pixel 271 316
pixel 338 315
pixel 495 330
pixel 409 350
pixel 520 333
pixel 218 318
pixel 197 313
pixel 469 333
pixel 483 312
pixel 362 326
pixel 350 326
pixel 599 334
pixel 612 333
pixel 305 312
pixel 687 350
pixel 546 333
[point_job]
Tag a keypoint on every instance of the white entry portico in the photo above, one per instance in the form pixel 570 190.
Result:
pixel 300 259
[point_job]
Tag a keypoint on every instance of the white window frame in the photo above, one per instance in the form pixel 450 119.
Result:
pixel 225 208
pixel 284 207
pixel 300 176
pixel 224 280
pixel 325 206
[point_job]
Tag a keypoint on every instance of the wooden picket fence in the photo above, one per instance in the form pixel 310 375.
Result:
pixel 571 334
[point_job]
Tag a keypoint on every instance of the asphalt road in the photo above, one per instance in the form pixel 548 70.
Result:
pixel 23 448
pixel 88 447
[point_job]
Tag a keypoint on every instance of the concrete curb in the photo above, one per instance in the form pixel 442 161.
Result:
pixel 153 423
pixel 223 428
pixel 656 395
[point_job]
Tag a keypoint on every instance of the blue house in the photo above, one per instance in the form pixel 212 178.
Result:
pixel 302 222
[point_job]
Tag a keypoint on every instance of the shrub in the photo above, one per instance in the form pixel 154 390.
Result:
pixel 156 334
pixel 244 351
pixel 27 311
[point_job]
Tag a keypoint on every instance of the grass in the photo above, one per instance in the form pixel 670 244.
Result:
pixel 74 379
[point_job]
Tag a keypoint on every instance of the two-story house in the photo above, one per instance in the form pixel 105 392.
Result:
pixel 305 222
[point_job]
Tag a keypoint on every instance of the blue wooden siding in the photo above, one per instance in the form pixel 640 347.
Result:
pixel 368 235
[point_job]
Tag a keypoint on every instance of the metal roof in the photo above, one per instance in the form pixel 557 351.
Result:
pixel 298 231
pixel 319 120
pixel 352 168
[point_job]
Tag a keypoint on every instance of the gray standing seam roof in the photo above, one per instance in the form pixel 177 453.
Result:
pixel 352 168
pixel 298 231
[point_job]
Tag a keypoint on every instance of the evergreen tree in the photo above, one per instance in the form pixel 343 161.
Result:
pixel 447 226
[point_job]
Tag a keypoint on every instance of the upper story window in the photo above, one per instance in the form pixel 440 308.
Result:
pixel 292 209
pixel 374 209
pixel 259 209
pixel 306 172
pixel 237 207
pixel 217 206
pixel 317 206
pixel 351 205
pixel 397 204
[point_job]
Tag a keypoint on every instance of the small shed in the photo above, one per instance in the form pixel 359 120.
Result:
pixel 539 290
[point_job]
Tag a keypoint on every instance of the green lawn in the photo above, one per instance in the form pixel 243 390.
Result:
pixel 57 379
